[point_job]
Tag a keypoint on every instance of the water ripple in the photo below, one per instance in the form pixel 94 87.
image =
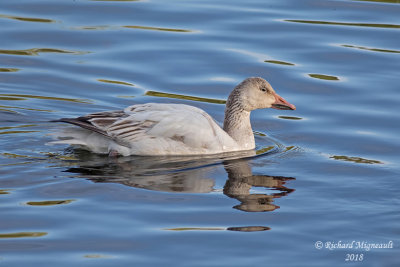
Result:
pixel 139 27
pixel 25 97
pixel 115 82
pixel 185 97
pixel 100 256
pixel 238 228
pixel 91 28
pixel 279 62
pixel 19 126
pixel 23 234
pixel 156 28
pixel 49 202
pixel 374 25
pixel 5 130
pixel 290 118
pixel 372 49
pixel 381 1
pixel 9 108
pixel 37 51
pixel 27 19
pixel 356 159
pixel 4 191
pixel 323 77
pixel 9 69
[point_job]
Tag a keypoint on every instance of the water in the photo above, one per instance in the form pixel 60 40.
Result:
pixel 326 172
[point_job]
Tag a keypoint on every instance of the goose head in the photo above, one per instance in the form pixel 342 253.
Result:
pixel 256 93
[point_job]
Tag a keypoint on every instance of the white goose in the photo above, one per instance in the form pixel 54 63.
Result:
pixel 174 129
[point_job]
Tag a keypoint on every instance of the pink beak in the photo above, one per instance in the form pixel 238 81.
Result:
pixel 281 103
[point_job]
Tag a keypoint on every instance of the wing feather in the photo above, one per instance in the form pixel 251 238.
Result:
pixel 159 126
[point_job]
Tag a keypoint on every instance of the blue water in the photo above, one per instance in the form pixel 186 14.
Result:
pixel 326 172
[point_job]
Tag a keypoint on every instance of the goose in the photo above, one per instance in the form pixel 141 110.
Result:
pixel 174 129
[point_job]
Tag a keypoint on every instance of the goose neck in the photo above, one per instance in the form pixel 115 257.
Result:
pixel 237 125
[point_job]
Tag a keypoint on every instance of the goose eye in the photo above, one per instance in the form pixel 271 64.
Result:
pixel 263 89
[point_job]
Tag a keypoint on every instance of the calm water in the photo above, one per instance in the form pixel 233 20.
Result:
pixel 327 172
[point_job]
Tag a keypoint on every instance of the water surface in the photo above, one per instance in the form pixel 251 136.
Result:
pixel 326 172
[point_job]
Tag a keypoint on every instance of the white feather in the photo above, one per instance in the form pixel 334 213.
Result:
pixel 155 129
pixel 174 129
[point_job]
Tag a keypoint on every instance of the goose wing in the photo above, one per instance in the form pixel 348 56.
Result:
pixel 186 125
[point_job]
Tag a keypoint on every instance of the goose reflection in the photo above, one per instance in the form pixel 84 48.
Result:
pixel 241 180
pixel 187 175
